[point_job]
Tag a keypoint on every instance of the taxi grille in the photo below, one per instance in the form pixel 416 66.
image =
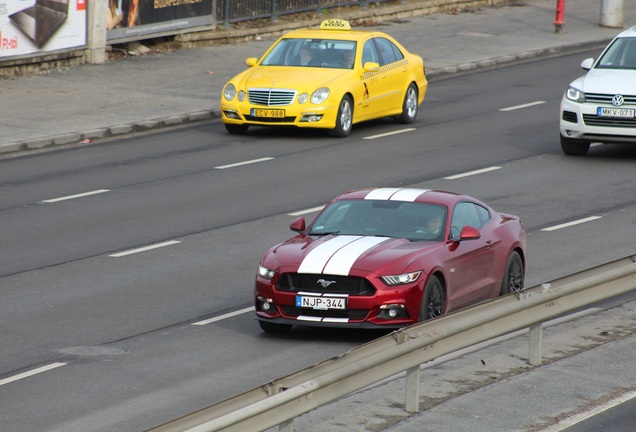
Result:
pixel 271 97
pixel 593 120
pixel 330 284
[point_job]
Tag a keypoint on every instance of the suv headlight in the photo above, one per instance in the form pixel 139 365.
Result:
pixel 575 95
pixel 401 279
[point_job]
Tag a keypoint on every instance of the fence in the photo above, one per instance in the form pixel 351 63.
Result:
pixel 280 401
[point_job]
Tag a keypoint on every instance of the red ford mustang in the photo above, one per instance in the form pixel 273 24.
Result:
pixel 389 258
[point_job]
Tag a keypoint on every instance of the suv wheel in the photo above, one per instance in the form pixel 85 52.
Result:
pixel 574 147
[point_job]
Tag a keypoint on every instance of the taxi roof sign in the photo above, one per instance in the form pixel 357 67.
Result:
pixel 335 24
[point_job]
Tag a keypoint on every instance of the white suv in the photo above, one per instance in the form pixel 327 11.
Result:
pixel 601 105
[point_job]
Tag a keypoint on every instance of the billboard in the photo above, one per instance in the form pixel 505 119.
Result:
pixel 32 26
pixel 128 19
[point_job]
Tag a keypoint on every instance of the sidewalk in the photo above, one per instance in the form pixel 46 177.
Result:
pixel 147 92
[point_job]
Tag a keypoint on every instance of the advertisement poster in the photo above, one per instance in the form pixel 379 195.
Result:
pixel 31 26
pixel 130 18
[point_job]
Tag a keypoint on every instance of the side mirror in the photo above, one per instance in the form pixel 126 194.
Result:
pixel 469 233
pixel 371 67
pixel 587 64
pixel 298 225
pixel 251 61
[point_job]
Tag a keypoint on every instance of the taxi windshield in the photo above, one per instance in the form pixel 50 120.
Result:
pixel 325 53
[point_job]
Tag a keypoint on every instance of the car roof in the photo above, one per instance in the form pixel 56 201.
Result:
pixel 629 33
pixel 341 30
pixel 406 194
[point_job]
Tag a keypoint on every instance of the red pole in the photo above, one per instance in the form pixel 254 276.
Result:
pixel 560 12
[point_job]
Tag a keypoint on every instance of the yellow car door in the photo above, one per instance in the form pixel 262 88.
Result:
pixel 394 75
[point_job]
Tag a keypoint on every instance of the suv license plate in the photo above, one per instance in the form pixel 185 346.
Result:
pixel 323 303
pixel 615 112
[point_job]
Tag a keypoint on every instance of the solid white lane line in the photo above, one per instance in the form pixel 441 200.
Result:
pixel 522 106
pixel 578 418
pixel 30 373
pixel 222 317
pixel 569 224
pixel 470 173
pixel 244 163
pixel 389 133
pixel 145 248
pixel 81 195
pixel 310 210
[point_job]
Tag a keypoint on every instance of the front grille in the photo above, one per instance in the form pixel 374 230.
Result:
pixel 271 97
pixel 607 98
pixel 330 284
pixel 570 116
pixel 593 120
pixel 354 314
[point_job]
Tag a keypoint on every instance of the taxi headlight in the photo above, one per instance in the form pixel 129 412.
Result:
pixel 241 96
pixel 575 95
pixel 401 279
pixel 303 98
pixel 229 92
pixel 320 95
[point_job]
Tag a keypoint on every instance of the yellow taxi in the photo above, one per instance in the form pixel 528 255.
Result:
pixel 329 78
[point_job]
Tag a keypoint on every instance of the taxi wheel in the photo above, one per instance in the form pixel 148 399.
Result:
pixel 344 119
pixel 409 106
pixel 238 129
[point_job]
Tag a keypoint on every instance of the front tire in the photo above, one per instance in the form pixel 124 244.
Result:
pixel 513 276
pixel 344 120
pixel 409 106
pixel 574 147
pixel 434 300
pixel 270 327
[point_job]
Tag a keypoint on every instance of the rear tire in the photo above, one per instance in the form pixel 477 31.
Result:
pixel 513 276
pixel 409 106
pixel 270 327
pixel 574 147
pixel 344 120
pixel 434 300
pixel 236 129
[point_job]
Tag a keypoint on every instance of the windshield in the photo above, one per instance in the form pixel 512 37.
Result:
pixel 326 53
pixel 414 221
pixel 621 54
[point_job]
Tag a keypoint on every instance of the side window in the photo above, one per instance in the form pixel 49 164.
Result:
pixel 389 53
pixel 468 214
pixel 369 53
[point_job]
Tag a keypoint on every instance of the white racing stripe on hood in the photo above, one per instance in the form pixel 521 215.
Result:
pixel 336 256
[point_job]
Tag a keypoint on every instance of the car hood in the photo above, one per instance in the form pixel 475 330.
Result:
pixel 607 81
pixel 285 77
pixel 348 255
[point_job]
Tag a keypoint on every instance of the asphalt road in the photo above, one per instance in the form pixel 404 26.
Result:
pixel 130 338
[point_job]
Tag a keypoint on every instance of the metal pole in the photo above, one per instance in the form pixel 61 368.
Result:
pixel 412 404
pixel 612 13
pixel 536 335
pixel 559 21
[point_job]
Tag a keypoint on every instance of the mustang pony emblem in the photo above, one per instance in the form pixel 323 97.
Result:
pixel 325 283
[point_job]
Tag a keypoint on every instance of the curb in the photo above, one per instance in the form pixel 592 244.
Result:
pixel 127 129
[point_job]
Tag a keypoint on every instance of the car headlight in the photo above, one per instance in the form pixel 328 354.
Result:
pixel 320 95
pixel 303 98
pixel 266 273
pixel 401 279
pixel 575 95
pixel 229 92
pixel 241 96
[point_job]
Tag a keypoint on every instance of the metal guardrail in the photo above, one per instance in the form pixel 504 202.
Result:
pixel 280 401
pixel 231 11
